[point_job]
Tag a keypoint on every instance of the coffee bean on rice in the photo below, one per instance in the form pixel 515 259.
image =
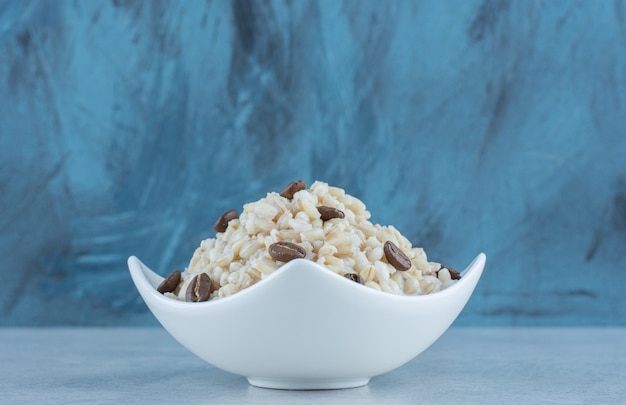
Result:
pixel 454 275
pixel 199 289
pixel 354 277
pixel 293 188
pixel 170 283
pixel 286 251
pixel 329 213
pixel 222 222
pixel 396 257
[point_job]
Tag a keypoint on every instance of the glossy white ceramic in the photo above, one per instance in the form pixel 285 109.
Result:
pixel 305 327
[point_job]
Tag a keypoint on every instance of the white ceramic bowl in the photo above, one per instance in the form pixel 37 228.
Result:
pixel 305 327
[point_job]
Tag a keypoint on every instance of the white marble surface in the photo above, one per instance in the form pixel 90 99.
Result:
pixel 467 365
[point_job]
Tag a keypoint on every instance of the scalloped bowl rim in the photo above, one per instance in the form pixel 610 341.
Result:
pixel 476 265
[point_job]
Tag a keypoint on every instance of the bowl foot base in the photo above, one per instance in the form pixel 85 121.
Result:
pixel 307 383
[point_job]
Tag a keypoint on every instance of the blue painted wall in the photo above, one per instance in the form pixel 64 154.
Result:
pixel 127 127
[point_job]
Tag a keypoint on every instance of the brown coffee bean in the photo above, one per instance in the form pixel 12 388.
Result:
pixel 396 257
pixel 329 212
pixel 354 277
pixel 222 222
pixel 454 275
pixel 293 188
pixel 286 251
pixel 170 283
pixel 199 289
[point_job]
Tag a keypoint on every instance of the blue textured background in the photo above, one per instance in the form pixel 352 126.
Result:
pixel 127 127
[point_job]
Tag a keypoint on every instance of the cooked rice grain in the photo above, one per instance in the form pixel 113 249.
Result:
pixel 238 258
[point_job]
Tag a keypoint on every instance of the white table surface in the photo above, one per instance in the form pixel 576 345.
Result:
pixel 467 365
